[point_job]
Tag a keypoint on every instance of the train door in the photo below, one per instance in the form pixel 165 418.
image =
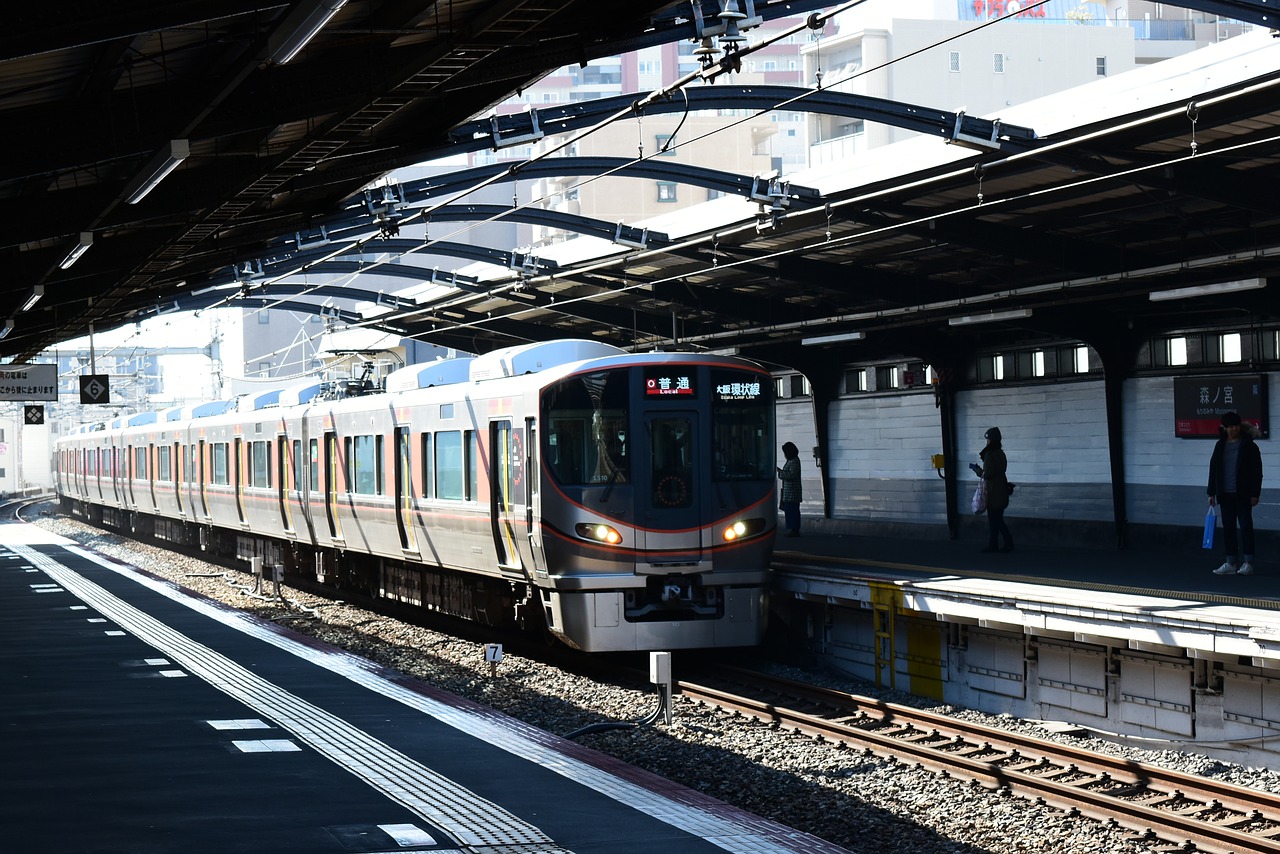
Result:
pixel 331 484
pixel 179 459
pixel 200 474
pixel 404 492
pixel 98 464
pixel 667 484
pixel 237 476
pixel 131 471
pixel 533 493
pixel 286 470
pixel 506 487
pixel 303 464
pixel 114 455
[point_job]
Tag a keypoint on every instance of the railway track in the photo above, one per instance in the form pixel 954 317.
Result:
pixel 1169 810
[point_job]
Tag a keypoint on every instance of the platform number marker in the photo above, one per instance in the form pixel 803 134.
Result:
pixel 493 655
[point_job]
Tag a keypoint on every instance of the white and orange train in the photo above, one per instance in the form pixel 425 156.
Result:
pixel 622 501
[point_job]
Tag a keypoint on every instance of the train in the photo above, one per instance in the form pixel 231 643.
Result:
pixel 618 501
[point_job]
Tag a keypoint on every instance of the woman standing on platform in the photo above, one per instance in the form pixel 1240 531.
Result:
pixel 993 473
pixel 789 501
pixel 1235 483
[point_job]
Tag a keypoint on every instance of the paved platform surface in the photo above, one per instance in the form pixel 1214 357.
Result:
pixel 1176 570
pixel 137 719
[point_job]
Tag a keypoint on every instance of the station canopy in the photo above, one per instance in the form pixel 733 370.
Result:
pixel 195 155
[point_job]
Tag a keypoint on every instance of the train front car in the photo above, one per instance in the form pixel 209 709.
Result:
pixel 658 502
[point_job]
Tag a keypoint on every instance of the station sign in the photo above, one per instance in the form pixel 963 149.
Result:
pixel 28 382
pixel 1200 402
pixel 95 388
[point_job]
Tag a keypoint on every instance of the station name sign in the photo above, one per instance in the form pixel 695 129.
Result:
pixel 1200 402
pixel 28 382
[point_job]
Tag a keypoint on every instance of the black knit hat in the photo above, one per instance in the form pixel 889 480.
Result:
pixel 992 435
pixel 1231 419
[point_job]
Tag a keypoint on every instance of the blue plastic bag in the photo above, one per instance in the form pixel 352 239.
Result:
pixel 1210 525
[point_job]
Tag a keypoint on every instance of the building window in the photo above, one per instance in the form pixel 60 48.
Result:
pixel 954 62
pixel 647 66
pixel 666 191
pixel 1230 347
pixel 1102 66
pixel 1176 351
pixel 886 377
pixel 666 144
pixel 264 368
pixel 997 63
pixel 264 316
pixel 855 380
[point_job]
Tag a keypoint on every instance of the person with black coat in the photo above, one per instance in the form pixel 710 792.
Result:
pixel 993 471
pixel 1235 485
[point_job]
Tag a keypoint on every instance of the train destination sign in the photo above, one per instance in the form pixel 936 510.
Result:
pixel 29 382
pixel 739 390
pixel 663 384
pixel 1200 402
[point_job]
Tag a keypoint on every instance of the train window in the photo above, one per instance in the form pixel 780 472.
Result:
pixel 473 467
pixel 297 464
pixel 587 437
pixel 313 463
pixel 140 463
pixel 425 456
pixel 259 464
pixel 220 475
pixel 162 463
pixel 741 427
pixel 671 460
pixel 364 462
pixel 449 469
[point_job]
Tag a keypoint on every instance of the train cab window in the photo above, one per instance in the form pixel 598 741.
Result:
pixel 364 464
pixel 259 464
pixel 449 465
pixel 220 474
pixel 741 427
pixel 587 439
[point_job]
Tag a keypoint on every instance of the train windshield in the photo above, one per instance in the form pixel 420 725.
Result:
pixel 742 430
pixel 587 429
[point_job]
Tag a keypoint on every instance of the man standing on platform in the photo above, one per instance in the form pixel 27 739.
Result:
pixel 1235 484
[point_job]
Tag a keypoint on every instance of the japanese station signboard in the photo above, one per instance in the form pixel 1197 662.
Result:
pixel 28 382
pixel 1200 402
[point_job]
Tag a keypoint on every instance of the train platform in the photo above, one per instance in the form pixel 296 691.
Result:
pixel 1165 600
pixel 140 719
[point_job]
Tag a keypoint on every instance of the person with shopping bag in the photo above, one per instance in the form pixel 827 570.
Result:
pixel 1235 486
pixel 995 482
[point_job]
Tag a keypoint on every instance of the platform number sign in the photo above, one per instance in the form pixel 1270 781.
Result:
pixel 33 414
pixel 95 388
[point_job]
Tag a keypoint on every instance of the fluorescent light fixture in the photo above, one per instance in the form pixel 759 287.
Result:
pixel 36 293
pixel 1209 290
pixel 989 317
pixel 7 328
pixel 86 240
pixel 832 339
pixel 299 28
pixel 164 162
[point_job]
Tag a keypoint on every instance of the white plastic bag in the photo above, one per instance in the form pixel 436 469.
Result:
pixel 979 502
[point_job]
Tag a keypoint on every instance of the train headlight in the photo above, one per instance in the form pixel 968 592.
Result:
pixel 742 528
pixel 599 532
